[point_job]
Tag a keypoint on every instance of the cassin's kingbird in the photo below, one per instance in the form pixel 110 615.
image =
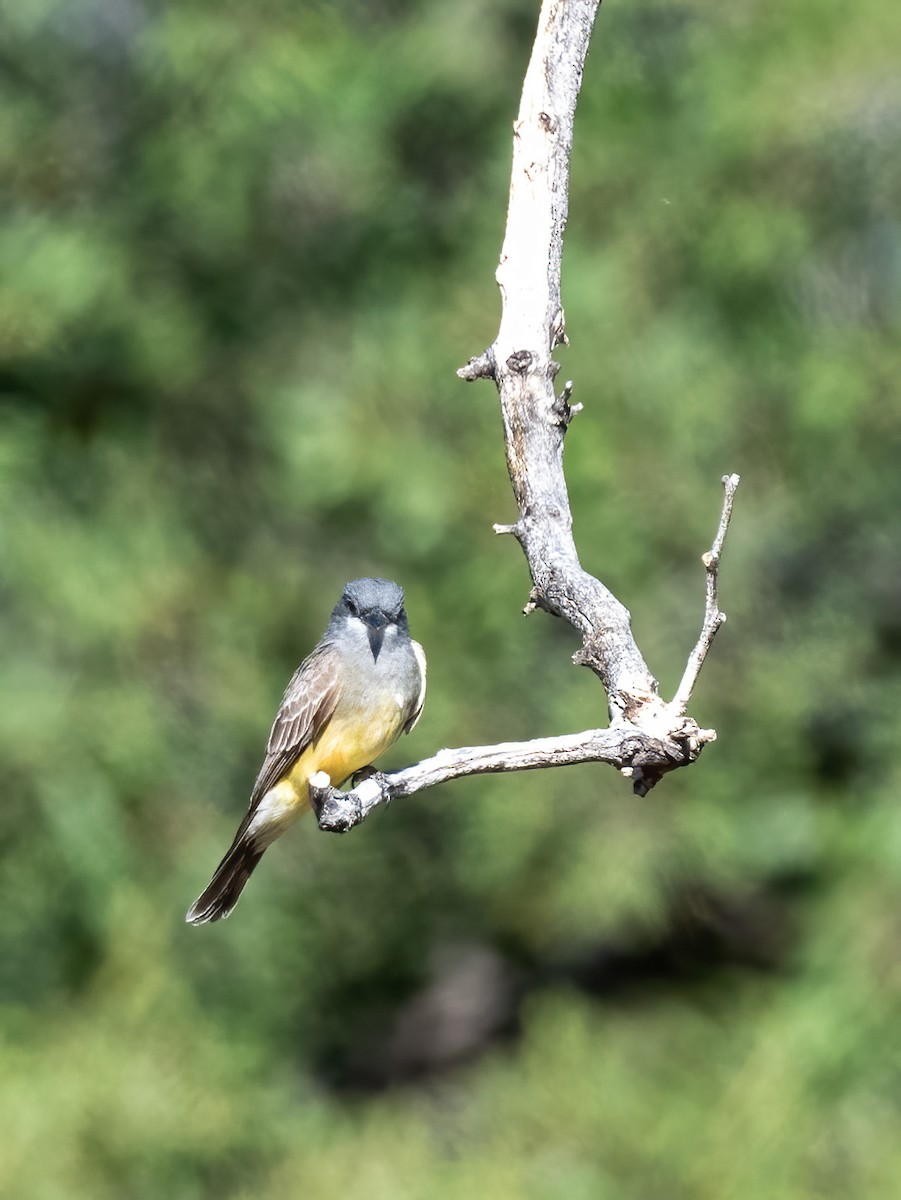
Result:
pixel 348 701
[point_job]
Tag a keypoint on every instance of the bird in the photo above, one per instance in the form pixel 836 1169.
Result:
pixel 361 686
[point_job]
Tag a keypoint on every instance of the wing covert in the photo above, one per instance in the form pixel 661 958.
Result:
pixel 307 706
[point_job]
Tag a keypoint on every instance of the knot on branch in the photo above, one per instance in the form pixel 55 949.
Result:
pixel 648 759
pixel 520 361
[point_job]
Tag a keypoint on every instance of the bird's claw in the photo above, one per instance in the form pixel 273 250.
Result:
pixel 363 773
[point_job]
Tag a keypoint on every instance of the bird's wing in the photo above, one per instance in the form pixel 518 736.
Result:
pixel 306 708
pixel 416 711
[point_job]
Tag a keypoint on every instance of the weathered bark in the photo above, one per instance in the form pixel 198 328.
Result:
pixel 630 750
pixel 521 364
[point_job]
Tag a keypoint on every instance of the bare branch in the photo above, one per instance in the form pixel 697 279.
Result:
pixel 713 618
pixel 532 324
pixel 637 754
pixel 647 737
pixel 480 367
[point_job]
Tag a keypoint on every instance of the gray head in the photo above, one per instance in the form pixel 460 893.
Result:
pixel 377 603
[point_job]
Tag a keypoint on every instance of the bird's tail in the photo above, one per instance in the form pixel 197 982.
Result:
pixel 221 894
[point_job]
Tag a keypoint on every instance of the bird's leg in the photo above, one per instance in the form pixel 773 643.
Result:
pixel 363 773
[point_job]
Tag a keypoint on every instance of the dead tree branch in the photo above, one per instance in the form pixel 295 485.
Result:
pixel 622 746
pixel 520 360
pixel 713 618
pixel 647 737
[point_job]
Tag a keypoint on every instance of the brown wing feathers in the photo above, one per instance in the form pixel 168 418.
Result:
pixel 306 708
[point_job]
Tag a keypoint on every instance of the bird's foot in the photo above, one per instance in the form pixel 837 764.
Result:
pixel 363 773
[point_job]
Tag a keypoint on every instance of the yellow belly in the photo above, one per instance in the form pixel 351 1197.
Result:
pixel 345 746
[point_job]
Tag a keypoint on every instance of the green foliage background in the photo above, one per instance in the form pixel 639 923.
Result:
pixel 243 248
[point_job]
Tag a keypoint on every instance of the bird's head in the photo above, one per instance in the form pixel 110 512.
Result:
pixel 373 605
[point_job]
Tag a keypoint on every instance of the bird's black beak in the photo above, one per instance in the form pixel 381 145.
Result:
pixel 376 624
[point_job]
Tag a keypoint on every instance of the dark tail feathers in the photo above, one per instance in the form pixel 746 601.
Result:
pixel 221 894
